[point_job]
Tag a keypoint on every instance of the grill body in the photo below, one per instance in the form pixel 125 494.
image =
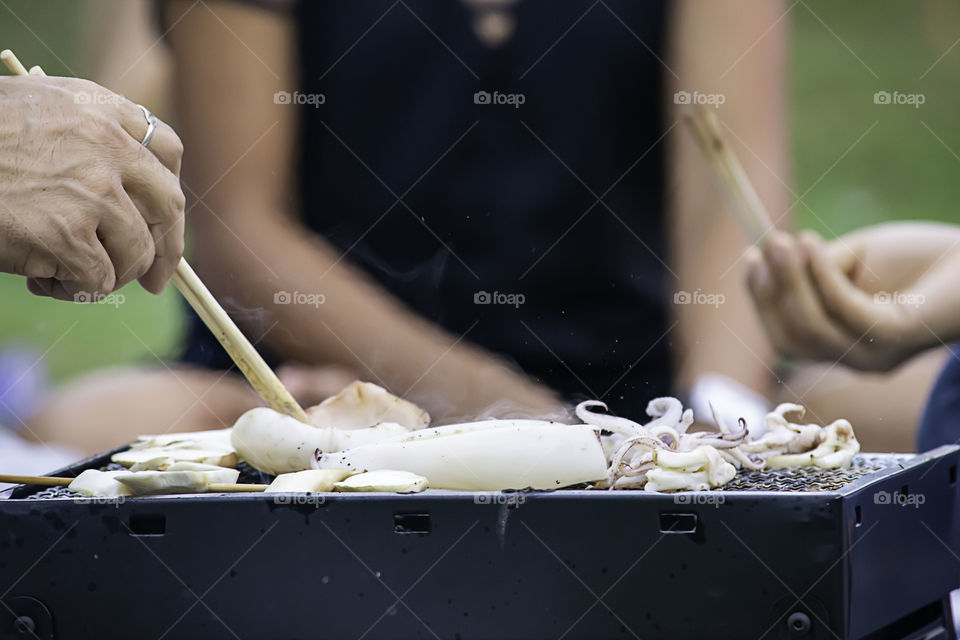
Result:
pixel 868 555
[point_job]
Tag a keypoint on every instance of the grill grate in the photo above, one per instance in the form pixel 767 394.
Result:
pixel 799 479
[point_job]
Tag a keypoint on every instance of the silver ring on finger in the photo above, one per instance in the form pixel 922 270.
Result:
pixel 152 122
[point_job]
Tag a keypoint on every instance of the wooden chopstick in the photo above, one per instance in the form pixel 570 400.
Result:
pixel 44 481
pixel 243 353
pixel 50 481
pixel 744 201
pixel 237 488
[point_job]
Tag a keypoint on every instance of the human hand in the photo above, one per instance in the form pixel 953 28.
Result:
pixel 814 306
pixel 84 207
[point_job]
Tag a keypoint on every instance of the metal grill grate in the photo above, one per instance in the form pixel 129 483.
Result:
pixel 785 480
pixel 814 478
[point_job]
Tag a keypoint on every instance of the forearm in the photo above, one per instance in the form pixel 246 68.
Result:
pixel 358 325
pixel 722 333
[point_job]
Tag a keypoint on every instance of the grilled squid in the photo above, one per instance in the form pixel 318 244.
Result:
pixel 490 455
pixel 276 443
pixel 696 470
pixel 788 444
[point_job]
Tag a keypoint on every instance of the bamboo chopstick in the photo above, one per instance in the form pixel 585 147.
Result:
pixel 45 481
pixel 744 201
pixel 243 353
pixel 50 481
pixel 237 488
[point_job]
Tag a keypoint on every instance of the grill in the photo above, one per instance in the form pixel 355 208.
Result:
pixel 866 553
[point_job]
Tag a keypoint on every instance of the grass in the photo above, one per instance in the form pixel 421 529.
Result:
pixel 855 162
pixel 899 170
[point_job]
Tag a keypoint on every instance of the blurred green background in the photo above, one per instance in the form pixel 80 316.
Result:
pixel 841 54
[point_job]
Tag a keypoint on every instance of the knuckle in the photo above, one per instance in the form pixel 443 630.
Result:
pixel 178 203
pixel 176 144
pixel 178 248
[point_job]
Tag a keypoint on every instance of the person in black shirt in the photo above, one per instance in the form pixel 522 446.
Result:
pixel 406 163
pixel 380 189
pixel 490 207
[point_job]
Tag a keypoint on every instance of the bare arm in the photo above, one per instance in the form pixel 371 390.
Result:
pixel 720 48
pixel 250 244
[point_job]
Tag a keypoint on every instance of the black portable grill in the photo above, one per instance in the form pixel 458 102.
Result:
pixel 868 552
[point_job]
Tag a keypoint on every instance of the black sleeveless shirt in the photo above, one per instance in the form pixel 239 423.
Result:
pixel 498 157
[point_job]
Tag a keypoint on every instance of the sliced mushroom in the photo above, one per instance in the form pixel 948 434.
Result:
pixel 161 458
pixel 100 484
pixel 363 404
pixel 383 480
pixel 179 478
pixel 311 480
pixel 214 439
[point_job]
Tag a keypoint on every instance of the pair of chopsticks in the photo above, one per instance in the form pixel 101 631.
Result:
pixel 50 481
pixel 244 355
pixel 742 197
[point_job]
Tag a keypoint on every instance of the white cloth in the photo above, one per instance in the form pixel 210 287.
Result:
pixel 732 401
pixel 28 458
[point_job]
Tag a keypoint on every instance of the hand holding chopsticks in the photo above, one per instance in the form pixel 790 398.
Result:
pixel 250 363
